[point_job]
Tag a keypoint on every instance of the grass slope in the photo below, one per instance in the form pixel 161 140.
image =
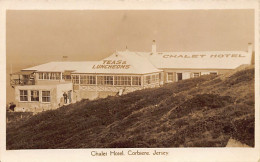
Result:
pixel 199 112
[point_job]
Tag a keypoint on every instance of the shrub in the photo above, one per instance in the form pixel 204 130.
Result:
pixel 199 102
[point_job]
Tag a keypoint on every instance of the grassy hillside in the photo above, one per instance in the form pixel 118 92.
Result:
pixel 199 112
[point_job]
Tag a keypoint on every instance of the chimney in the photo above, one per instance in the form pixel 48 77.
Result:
pixel 250 48
pixel 154 47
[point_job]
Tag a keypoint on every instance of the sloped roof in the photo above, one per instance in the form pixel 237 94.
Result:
pixel 62 66
pixel 124 62
pixel 128 62
pixel 198 60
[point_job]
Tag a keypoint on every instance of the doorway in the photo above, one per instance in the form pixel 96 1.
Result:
pixel 179 76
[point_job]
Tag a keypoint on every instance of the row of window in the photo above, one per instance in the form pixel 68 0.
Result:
pixel 34 96
pixel 150 79
pixel 53 76
pixel 100 80
pixel 180 76
pixel 106 80
pixel 50 75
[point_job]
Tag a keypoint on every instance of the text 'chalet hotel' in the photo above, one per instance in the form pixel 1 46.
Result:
pixel 51 85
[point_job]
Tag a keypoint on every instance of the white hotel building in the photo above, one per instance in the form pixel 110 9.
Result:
pixel 42 87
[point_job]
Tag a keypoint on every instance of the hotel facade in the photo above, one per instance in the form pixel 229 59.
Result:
pixel 51 85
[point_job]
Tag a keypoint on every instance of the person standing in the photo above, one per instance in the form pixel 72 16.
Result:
pixel 69 96
pixel 65 97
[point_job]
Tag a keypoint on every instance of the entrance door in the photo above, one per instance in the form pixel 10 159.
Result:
pixel 179 76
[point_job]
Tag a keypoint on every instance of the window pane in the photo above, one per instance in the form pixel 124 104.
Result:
pixel 57 75
pixel 108 80
pixel 91 79
pixel 75 79
pixel 83 79
pixel 157 78
pixel 170 76
pixel 52 76
pixel 40 75
pixel 23 95
pixel 153 78
pixel 148 79
pixel 46 75
pixel 100 80
pixel 46 96
pixel 34 95
pixel 196 75
pixel 136 80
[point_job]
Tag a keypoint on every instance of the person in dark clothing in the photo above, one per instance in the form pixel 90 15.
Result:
pixel 65 97
pixel 12 106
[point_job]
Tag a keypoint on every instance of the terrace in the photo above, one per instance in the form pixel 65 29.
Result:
pixel 22 78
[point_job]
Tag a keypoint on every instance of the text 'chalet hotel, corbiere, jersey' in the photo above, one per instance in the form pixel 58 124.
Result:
pixel 51 85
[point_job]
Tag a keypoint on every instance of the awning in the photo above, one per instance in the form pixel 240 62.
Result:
pixel 68 72
pixel 24 72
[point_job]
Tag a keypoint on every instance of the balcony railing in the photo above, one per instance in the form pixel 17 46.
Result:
pixel 22 82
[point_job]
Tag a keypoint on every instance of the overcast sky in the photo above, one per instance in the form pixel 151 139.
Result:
pixel 35 37
pixel 44 36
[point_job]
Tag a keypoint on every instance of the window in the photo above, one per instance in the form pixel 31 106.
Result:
pixel 100 80
pixel 148 79
pixel 91 80
pixel 153 78
pixel 54 76
pixel 75 79
pixel 66 77
pixel 46 76
pixel 46 96
pixel 23 95
pixel 105 80
pixel 170 77
pixel 136 80
pixel 40 75
pixel 51 76
pixel 213 73
pixel 26 77
pixel 122 80
pixel 34 95
pixel 83 79
pixel 157 78
pixel 108 80
pixel 204 73
pixel 58 76
pixel 196 75
pixel 88 79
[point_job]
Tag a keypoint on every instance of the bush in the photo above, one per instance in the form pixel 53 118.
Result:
pixel 199 102
pixel 191 113
pixel 244 129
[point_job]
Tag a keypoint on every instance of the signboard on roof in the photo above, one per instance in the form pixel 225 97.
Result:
pixel 112 64
pixel 204 56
